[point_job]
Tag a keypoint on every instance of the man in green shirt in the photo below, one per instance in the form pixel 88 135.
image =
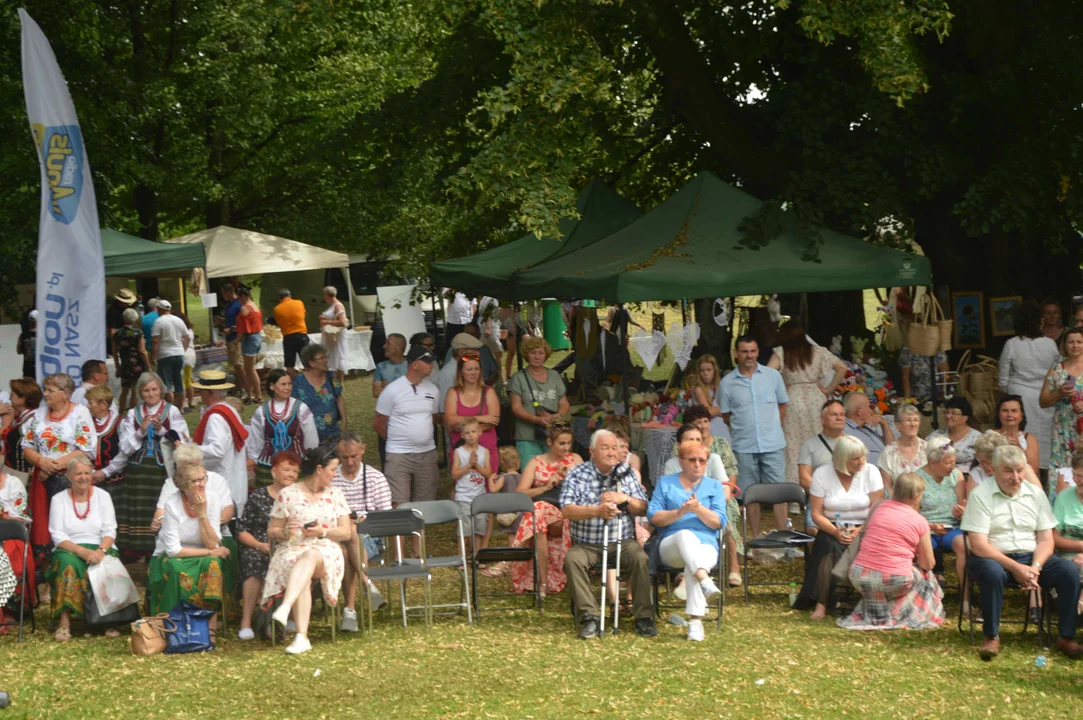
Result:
pixel 1010 530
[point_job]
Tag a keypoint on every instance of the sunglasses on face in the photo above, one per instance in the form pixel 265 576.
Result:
pixel 471 355
pixel 696 460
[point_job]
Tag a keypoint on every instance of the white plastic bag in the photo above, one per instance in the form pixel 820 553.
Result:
pixel 112 586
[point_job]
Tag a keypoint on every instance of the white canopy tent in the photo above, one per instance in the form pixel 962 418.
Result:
pixel 231 252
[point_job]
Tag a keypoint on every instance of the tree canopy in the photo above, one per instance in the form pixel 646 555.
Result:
pixel 428 130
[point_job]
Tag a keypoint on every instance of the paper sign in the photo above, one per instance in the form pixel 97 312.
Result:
pixel 210 300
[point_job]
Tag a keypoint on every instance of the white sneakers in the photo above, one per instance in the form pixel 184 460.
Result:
pixel 695 630
pixel 301 644
pixel 680 592
pixel 378 601
pixel 246 634
pixel 282 614
pixel 710 591
pixel 349 620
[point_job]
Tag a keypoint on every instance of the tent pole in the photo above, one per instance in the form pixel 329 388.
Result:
pixel 684 313
pixel 349 294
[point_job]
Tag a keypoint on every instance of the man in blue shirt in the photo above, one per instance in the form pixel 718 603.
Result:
pixel 148 320
pixel 867 426
pixel 753 400
pixel 230 312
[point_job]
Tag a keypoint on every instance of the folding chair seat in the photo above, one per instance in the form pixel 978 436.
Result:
pixel 396 524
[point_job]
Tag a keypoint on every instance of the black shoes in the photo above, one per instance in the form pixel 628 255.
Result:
pixel 645 627
pixel 588 627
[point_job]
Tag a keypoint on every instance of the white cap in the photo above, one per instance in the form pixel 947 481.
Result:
pixel 33 314
pixel 165 305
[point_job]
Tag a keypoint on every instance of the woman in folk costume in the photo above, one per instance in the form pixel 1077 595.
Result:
pixel 281 423
pixel 148 431
pixel 26 397
pixel 110 461
pixel 221 435
pixel 54 435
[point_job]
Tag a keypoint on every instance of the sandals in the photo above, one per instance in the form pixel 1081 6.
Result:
pixel 493 571
pixel 63 634
pixel 112 633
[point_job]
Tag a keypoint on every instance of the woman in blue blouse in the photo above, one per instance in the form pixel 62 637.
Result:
pixel 689 509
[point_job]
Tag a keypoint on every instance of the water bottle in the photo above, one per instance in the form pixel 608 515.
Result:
pixel 1040 661
pixel 793 594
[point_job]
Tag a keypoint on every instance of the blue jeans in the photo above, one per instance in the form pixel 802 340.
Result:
pixel 991 577
pixel 943 542
pixel 373 546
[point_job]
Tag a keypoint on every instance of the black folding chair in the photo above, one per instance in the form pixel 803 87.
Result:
pixel 439 512
pixel 719 570
pixel 396 524
pixel 1010 584
pixel 17 530
pixel 771 494
pixel 497 503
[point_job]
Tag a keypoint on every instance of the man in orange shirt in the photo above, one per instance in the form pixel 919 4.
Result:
pixel 290 317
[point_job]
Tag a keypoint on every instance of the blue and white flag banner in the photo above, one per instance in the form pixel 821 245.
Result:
pixel 71 269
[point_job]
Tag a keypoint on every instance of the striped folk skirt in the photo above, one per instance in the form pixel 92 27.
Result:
pixel 891 602
pixel 137 503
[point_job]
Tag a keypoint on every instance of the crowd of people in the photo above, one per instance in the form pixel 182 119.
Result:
pixel 268 507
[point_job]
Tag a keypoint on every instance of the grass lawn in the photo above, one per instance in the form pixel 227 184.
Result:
pixel 767 662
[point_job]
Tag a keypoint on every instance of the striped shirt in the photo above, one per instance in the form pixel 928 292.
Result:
pixel 367 492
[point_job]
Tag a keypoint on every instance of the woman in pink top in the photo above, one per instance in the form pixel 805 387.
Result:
pixel 471 397
pixel 894 592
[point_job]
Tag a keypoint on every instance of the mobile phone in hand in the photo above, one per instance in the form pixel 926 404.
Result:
pixel 310 524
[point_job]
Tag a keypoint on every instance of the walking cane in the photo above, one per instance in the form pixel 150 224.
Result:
pixel 616 593
pixel 605 558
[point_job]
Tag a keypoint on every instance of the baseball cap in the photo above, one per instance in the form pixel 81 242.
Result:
pixel 420 352
pixel 165 305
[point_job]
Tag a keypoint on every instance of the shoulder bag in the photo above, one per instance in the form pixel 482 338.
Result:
pixel 149 633
pixel 841 571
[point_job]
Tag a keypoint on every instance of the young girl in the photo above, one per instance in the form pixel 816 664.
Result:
pixel 470 466
pixel 507 480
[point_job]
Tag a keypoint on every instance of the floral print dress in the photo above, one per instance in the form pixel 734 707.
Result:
pixel 1065 420
pixel 323 402
pixel 326 509
pixel 131 360
pixel 254 520
pixel 522 574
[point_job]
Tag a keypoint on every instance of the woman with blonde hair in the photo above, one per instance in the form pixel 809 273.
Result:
pixel 802 365
pixel 538 396
pixel 705 392
pixel 471 397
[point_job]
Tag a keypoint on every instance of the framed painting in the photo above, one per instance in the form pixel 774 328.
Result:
pixel 1002 314
pixel 967 311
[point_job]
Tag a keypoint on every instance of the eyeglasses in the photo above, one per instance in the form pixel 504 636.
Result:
pixel 696 460
pixel 470 355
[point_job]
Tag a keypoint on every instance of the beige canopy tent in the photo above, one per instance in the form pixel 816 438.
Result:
pixel 232 252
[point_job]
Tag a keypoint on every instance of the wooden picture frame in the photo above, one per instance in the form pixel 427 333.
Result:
pixel 967 311
pixel 1002 314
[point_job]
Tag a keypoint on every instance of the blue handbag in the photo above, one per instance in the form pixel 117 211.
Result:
pixel 193 633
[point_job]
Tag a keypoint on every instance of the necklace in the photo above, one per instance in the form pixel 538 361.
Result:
pixel 188 509
pixel 277 417
pixel 75 507
pixel 53 418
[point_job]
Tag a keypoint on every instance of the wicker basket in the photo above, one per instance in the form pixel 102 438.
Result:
pixel 923 338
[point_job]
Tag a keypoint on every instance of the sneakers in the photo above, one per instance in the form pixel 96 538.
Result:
pixel 588 627
pixel 299 645
pixel 710 591
pixel 378 601
pixel 645 627
pixel 349 620
pixel 246 634
pixel 680 592
pixel 282 615
pixel 695 630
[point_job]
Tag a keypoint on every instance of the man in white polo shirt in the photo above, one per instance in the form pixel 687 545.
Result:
pixel 404 417
pixel 169 338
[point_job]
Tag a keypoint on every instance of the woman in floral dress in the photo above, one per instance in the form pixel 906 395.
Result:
pixel 1063 392
pixel 130 348
pixel 308 521
pixel 321 392
pixel 543 473
pixel 803 365
pixel 53 436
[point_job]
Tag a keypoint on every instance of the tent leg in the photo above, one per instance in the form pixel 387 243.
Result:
pixel 684 312
pixel 349 293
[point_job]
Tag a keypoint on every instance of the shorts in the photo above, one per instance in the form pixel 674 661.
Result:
pixel 765 467
pixel 250 345
pixel 374 546
pixel 472 524
pixel 413 477
pixel 291 346
pixel 187 376
pixel 233 353
pixel 171 370
pixel 943 542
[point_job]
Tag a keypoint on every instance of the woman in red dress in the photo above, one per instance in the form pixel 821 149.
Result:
pixel 543 473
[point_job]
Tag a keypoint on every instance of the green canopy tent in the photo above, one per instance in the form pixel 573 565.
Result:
pixel 494 272
pixel 688 247
pixel 130 256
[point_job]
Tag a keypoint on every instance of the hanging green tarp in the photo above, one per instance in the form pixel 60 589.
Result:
pixel 130 256
pixel 689 247
pixel 494 272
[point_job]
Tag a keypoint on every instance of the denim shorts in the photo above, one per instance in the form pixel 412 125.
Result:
pixel 374 547
pixel 171 370
pixel 765 467
pixel 250 345
pixel 943 542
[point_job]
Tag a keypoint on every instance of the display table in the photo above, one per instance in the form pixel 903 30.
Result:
pixel 358 356
pixel 211 355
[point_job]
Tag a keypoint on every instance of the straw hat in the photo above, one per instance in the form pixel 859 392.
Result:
pixel 212 380
pixel 126 296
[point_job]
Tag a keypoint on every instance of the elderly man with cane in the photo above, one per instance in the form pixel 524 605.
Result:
pixel 598 497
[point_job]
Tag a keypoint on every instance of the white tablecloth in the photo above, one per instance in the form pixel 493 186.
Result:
pixel 357 354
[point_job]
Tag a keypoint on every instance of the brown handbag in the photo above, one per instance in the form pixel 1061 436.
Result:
pixel 148 634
